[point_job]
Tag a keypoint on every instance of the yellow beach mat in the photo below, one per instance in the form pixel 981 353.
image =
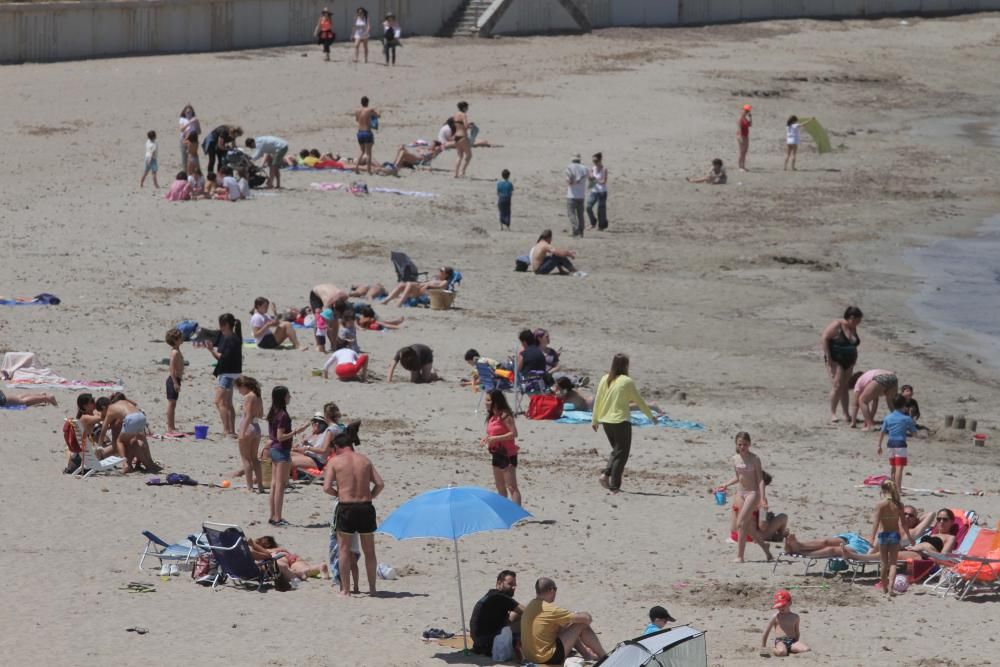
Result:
pixel 818 134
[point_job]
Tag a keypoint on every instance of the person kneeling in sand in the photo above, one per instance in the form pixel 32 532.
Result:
pixel 131 444
pixel 347 364
pixel 715 176
pixel 785 622
pixel 549 633
pixel 419 360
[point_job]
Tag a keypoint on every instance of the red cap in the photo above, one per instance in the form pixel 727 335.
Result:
pixel 782 599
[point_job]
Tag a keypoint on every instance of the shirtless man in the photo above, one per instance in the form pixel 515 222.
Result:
pixel 353 480
pixel 544 257
pixel 366 138
pixel 463 142
pixel 324 296
pixel 121 413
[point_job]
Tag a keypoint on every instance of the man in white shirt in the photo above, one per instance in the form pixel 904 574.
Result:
pixel 576 192
pixel 275 149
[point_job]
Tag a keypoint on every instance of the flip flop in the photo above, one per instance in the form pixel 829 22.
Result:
pixel 137 630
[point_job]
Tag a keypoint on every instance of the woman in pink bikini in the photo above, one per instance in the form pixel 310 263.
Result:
pixel 750 476
pixel 501 432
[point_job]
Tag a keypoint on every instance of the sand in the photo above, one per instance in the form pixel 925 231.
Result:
pixel 716 292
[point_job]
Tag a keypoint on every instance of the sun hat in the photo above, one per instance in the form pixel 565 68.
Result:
pixel 319 417
pixel 782 599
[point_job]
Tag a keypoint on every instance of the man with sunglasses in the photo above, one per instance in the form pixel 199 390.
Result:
pixel 549 633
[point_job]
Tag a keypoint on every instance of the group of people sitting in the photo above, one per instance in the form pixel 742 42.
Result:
pixel 111 425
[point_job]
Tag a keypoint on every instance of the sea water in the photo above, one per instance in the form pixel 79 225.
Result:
pixel 960 293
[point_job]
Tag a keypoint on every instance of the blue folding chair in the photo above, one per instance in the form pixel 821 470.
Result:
pixel 532 382
pixel 488 381
pixel 229 546
pixel 183 552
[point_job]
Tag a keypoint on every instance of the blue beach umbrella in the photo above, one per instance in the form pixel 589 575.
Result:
pixel 448 514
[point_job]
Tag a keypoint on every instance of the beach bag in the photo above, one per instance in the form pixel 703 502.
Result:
pixel 69 436
pixel 205 569
pixel 545 406
pixel 522 264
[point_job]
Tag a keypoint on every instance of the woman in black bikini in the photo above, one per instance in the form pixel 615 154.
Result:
pixel 839 343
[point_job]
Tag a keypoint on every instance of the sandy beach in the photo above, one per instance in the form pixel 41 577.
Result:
pixel 717 293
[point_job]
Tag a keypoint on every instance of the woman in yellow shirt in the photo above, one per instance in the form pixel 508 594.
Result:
pixel 612 407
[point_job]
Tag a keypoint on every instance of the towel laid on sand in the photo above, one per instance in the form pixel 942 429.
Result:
pixel 43 299
pixel 45 378
pixel 638 419
pixel 252 344
pixel 13 407
pixel 344 187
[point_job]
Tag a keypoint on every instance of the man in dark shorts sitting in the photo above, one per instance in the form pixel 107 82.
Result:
pixel 549 633
pixel 353 479
pixel 419 360
pixel 494 612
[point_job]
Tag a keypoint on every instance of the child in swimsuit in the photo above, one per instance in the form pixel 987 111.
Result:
pixel 887 527
pixel 750 476
pixel 785 622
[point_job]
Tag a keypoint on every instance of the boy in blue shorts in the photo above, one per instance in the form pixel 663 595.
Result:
pixel 897 424
pixel 505 192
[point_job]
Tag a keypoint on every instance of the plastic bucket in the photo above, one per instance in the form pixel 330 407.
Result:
pixel 720 497
pixel 200 432
pixel 979 439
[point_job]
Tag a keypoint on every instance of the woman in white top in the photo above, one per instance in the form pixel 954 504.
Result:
pixel 189 125
pixel 267 330
pixel 598 193
pixel 793 131
pixel 362 30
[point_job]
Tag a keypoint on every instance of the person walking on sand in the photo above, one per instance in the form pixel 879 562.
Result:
pixel 324 32
pixel 151 165
pixel 353 480
pixel 616 393
pixel 785 622
pixel 249 430
pixel 750 476
pixel 839 343
pixel 897 424
pixel 576 192
pixel 743 135
pixel 462 138
pixel 362 31
pixel 598 193
pixel 887 526
pixel 505 192
pixel 500 441
pixel 366 137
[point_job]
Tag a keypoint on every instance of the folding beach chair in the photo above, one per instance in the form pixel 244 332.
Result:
pixel 832 565
pixel 532 382
pixel 229 546
pixel 977 570
pixel 180 553
pixel 406 270
pixel 91 463
pixel 488 381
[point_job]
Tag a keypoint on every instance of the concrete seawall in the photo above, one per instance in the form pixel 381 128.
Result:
pixel 48 31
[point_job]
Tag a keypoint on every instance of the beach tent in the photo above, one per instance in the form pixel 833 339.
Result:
pixel 676 647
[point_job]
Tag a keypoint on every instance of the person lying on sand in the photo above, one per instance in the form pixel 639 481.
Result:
pixel 26 399
pixel 290 565
pixel 368 319
pixel 715 176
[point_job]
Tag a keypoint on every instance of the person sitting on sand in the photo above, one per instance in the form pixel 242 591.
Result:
pixel 566 392
pixel 772 526
pixel 121 414
pixel 419 360
pixel 290 565
pixel 544 257
pixel 311 453
pixel 496 616
pixel 367 319
pixel 869 387
pixel 268 330
pixel 715 176
pixel 27 400
pixel 786 623
pixel 405 291
pixel 549 633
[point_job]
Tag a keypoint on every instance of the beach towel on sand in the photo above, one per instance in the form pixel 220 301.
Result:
pixel 43 299
pixel 44 378
pixel 638 419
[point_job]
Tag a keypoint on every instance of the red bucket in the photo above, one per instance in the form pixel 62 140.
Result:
pixel 979 439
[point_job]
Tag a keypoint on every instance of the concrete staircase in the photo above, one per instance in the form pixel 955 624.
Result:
pixel 463 23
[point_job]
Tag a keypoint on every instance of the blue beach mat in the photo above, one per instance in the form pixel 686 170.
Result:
pixel 44 299
pixel 638 419
pixel 14 407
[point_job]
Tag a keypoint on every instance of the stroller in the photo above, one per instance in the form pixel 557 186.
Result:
pixel 241 163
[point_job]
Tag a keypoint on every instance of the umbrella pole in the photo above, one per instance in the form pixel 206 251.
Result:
pixel 461 603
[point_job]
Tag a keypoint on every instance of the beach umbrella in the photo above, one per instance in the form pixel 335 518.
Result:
pixel 449 514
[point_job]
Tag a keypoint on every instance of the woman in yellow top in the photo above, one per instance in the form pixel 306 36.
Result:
pixel 612 407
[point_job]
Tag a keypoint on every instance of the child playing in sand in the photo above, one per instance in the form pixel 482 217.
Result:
pixel 211 184
pixel 898 425
pixel 750 475
pixel 347 335
pixel 152 151
pixel 174 339
pixel 505 191
pixel 886 530
pixel 346 363
pixel 179 190
pixel 472 358
pixel 785 622
pixel 196 182
pixel 658 619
